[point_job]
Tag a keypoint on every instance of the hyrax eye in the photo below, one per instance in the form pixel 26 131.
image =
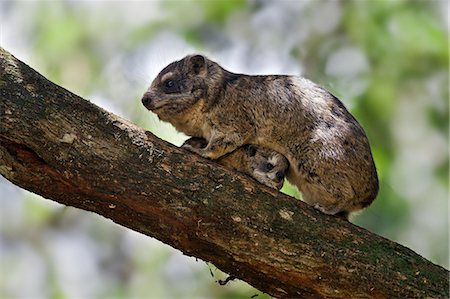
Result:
pixel 279 175
pixel 169 84
pixel 268 166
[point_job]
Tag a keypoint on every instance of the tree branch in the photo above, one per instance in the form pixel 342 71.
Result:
pixel 66 149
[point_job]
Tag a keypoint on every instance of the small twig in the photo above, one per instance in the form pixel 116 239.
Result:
pixel 228 279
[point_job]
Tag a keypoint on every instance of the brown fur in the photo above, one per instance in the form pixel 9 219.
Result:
pixel 328 151
pixel 266 166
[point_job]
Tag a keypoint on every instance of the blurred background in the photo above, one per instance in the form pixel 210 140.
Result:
pixel 386 60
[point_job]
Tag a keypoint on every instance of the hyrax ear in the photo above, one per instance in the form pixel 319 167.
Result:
pixel 251 150
pixel 197 64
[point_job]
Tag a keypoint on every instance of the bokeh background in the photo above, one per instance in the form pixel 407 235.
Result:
pixel 386 60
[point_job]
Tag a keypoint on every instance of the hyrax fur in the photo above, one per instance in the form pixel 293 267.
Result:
pixel 328 151
pixel 266 166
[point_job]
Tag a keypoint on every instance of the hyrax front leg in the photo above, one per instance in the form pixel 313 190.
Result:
pixel 217 146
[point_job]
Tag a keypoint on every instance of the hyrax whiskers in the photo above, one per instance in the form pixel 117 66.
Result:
pixel 329 156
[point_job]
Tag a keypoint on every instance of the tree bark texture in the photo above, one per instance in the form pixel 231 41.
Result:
pixel 66 149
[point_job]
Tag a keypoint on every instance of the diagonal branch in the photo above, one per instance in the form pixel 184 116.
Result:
pixel 66 149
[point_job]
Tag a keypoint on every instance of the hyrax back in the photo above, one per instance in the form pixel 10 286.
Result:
pixel 266 166
pixel 328 151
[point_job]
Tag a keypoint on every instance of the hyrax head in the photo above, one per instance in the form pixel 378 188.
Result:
pixel 267 166
pixel 177 88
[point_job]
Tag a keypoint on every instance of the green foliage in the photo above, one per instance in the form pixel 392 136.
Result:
pixel 219 11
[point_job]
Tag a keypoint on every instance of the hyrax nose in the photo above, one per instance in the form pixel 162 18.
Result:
pixel 146 99
pixel 279 175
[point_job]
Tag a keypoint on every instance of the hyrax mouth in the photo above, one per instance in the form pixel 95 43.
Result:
pixel 151 104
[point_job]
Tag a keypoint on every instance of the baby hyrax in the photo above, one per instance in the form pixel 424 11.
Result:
pixel 266 166
pixel 329 156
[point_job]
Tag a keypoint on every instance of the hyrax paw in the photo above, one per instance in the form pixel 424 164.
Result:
pixel 196 145
pixel 330 209
pixel 195 142
pixel 191 148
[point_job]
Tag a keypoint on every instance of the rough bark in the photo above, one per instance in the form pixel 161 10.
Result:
pixel 66 149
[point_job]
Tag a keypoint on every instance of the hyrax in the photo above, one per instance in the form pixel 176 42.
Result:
pixel 266 166
pixel 328 152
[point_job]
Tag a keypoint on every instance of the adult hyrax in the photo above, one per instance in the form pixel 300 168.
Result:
pixel 328 151
pixel 266 166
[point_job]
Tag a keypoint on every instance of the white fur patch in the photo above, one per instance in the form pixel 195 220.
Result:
pixel 166 76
